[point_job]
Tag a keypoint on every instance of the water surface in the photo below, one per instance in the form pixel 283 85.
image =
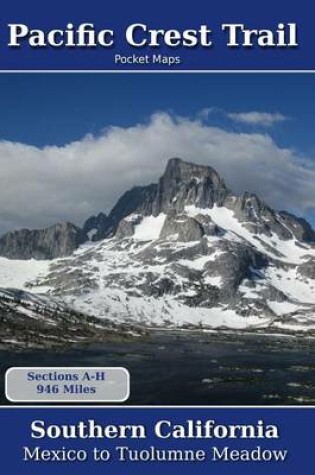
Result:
pixel 191 368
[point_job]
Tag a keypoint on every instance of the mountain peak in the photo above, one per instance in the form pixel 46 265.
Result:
pixel 183 169
pixel 184 183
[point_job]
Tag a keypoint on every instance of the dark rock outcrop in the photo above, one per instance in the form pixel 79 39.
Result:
pixel 307 269
pixel 138 200
pixel 181 228
pixel 299 227
pixel 95 228
pixel 184 184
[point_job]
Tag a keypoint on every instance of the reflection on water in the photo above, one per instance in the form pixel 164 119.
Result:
pixel 198 369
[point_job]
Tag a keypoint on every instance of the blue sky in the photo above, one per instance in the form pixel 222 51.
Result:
pixel 55 110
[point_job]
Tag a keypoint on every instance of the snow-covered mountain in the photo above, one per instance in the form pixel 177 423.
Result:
pixel 185 252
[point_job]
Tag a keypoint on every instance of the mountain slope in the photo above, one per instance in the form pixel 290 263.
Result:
pixel 33 321
pixel 188 252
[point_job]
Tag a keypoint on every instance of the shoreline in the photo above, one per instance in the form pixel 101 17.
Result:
pixel 222 335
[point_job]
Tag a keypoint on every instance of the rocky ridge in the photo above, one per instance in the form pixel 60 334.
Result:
pixel 57 241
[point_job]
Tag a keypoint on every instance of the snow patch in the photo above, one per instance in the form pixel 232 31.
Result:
pixel 91 233
pixel 17 273
pixel 150 228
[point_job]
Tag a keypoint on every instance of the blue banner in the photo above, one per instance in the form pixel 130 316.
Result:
pixel 150 440
pixel 167 36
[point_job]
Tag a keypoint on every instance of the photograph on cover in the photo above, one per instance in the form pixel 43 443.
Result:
pixel 163 223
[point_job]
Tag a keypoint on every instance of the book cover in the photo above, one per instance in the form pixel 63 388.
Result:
pixel 157 242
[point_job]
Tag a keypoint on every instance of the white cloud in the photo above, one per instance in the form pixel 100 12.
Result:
pixel 39 187
pixel 265 119
pixel 204 113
